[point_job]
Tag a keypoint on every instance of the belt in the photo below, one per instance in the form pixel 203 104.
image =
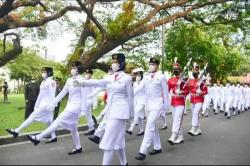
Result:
pixel 178 96
pixel 196 95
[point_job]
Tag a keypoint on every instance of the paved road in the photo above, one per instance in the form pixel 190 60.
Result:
pixel 223 142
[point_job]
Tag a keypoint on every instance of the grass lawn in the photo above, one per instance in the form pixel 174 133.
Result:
pixel 12 114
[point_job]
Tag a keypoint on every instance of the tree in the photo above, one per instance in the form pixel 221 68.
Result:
pixel 204 46
pixel 126 25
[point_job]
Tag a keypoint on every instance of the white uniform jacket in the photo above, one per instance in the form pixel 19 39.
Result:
pixel 77 95
pixel 47 92
pixel 120 94
pixel 139 97
pixel 156 91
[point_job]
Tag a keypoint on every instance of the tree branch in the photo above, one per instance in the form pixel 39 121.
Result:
pixel 148 2
pixel 6 7
pixel 13 53
pixel 7 23
pixel 91 16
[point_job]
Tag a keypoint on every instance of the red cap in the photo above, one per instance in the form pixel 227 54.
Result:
pixel 176 66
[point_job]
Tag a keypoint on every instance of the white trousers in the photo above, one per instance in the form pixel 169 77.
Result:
pixel 177 114
pixel 138 118
pixel 52 128
pixel 28 122
pixel 108 156
pixel 88 115
pixel 216 103
pixel 100 129
pixel 196 108
pixel 228 105
pixel 151 133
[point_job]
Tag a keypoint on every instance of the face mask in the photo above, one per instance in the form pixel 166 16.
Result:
pixel 115 67
pixel 73 72
pixel 87 76
pixel 138 78
pixel 44 75
pixel 176 72
pixel 33 81
pixel 195 75
pixel 152 68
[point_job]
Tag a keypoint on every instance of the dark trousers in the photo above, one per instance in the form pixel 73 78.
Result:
pixel 29 108
pixel 56 111
pixel 5 96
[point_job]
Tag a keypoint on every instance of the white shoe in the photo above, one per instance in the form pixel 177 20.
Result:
pixel 179 140
pixel 171 140
pixel 197 132
pixel 191 131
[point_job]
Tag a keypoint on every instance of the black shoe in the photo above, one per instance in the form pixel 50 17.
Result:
pixel 90 132
pixel 206 116
pixel 221 110
pixel 51 141
pixel 214 110
pixel 35 141
pixel 225 114
pixel 164 127
pixel 171 142
pixel 239 112
pixel 95 139
pixel 215 113
pixel 125 165
pixel 140 156
pixel 75 151
pixel 228 117
pixel 12 132
pixel 129 132
pixel 140 133
pixel 154 152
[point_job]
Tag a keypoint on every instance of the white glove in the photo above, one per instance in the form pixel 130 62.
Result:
pixel 178 92
pixel 198 91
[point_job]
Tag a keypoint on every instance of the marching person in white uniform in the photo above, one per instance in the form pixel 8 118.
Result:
pixel 90 101
pixel 68 119
pixel 156 94
pixel 207 101
pixel 228 98
pixel 41 113
pixel 216 98
pixel 221 99
pixel 139 103
pixel 120 108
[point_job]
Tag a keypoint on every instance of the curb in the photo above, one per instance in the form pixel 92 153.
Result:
pixel 23 136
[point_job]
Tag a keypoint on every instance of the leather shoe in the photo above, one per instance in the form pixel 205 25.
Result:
pixel 35 141
pixel 95 139
pixel 129 132
pixel 51 141
pixel 75 151
pixel 12 132
pixel 140 156
pixel 164 127
pixel 140 133
pixel 90 132
pixel 153 152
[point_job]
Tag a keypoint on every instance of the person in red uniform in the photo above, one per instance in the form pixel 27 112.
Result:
pixel 178 95
pixel 198 90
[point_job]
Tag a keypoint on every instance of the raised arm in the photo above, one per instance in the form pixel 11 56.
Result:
pixel 97 83
pixel 58 98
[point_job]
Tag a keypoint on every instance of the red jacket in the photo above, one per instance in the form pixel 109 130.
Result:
pixel 177 100
pixel 196 98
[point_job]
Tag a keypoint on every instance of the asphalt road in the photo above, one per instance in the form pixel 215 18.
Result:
pixel 223 142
